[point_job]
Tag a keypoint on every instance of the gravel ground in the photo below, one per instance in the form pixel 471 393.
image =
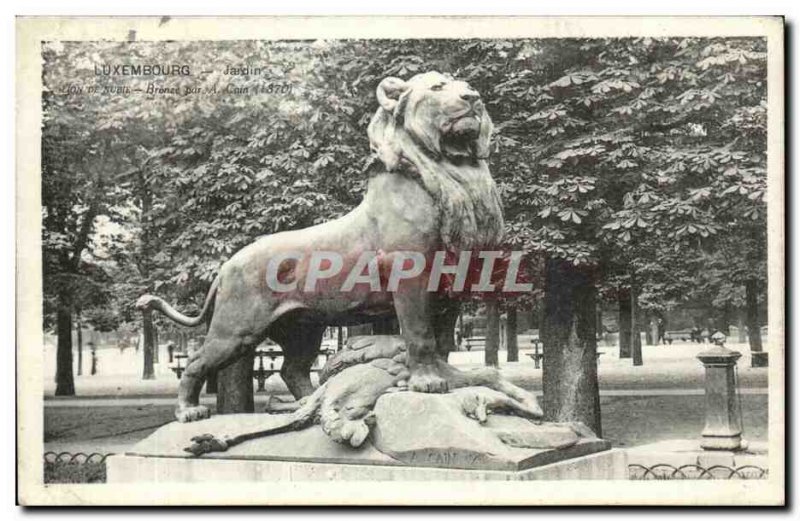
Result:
pixel 627 421
pixel 665 367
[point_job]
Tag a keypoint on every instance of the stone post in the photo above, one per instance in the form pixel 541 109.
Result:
pixel 723 430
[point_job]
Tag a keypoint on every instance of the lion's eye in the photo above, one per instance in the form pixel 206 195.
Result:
pixel 438 86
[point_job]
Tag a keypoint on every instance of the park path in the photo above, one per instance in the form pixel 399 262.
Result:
pixel 665 367
pixel 142 401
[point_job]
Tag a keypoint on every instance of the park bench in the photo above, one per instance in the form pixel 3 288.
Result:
pixel 475 341
pixel 538 352
pixel 264 366
pixel 684 335
pixel 179 364
pixel 273 354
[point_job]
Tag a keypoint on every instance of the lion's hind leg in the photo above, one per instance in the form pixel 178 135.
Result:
pixel 300 341
pixel 217 351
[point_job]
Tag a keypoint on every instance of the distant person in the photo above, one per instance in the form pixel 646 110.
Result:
pixel 170 350
pixel 93 351
pixel 468 335
pixel 662 330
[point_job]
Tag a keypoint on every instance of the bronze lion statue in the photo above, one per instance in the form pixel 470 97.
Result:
pixel 433 193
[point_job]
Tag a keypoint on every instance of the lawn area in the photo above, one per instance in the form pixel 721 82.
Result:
pixel 637 420
pixel 627 420
pixel 123 424
pixel 62 472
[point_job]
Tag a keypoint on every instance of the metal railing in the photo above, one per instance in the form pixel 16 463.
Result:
pixel 690 471
pixel 79 457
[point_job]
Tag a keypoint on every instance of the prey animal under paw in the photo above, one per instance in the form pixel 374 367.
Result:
pixel 353 381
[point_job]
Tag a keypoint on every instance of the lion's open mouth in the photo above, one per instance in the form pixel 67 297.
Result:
pixel 460 134
pixel 465 126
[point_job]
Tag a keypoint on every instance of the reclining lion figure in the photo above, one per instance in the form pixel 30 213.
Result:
pixel 433 193
pixel 354 379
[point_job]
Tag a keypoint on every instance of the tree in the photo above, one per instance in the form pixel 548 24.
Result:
pixel 512 345
pixel 569 375
pixel 492 334
pixel 78 154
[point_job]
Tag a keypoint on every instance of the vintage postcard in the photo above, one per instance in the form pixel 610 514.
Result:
pixel 265 260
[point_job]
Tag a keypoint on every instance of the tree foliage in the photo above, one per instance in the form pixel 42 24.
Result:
pixel 621 156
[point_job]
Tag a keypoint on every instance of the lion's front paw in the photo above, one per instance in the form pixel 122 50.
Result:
pixel 532 408
pixel 479 402
pixel 190 414
pixel 426 379
pixel 206 443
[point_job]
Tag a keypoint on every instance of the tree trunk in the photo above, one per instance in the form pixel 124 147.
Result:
pixel 79 328
pixel 599 325
pixel 569 336
pixel 148 373
pixel 492 333
pixel 512 346
pixel 624 324
pixel 65 384
pixel 93 370
pixel 235 386
pixel 725 326
pixel 156 341
pixel 636 335
pixel 753 327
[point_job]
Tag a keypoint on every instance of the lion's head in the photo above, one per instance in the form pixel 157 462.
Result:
pixel 440 126
pixel 446 117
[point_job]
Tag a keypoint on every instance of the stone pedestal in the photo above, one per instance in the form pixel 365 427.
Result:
pixel 310 455
pixel 723 429
pixel 608 465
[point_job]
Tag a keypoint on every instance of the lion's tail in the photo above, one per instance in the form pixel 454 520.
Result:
pixel 300 419
pixel 146 302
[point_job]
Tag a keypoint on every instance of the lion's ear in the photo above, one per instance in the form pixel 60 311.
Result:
pixel 389 92
pixel 484 136
pixel 382 140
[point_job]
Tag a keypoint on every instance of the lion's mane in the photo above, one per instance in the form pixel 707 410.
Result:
pixel 408 142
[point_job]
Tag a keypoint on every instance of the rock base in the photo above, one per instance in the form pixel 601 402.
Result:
pixel 310 454
pixel 469 433
pixel 610 464
pixel 433 430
